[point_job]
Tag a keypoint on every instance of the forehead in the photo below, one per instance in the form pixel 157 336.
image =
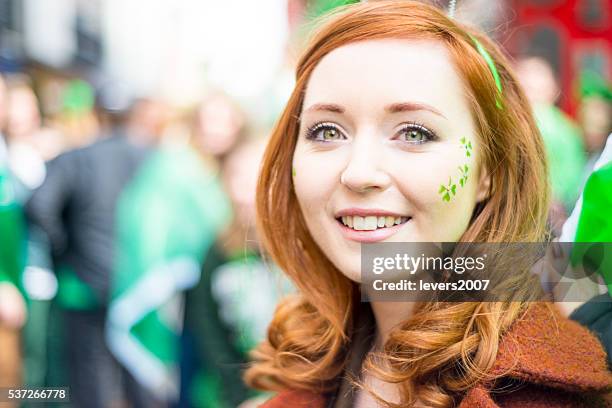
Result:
pixel 376 72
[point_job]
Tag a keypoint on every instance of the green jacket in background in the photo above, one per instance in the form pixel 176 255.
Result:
pixel 167 218
pixel 12 236
pixel 564 151
pixel 593 247
pixel 595 225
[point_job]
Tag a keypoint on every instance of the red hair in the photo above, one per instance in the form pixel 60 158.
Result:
pixel 443 349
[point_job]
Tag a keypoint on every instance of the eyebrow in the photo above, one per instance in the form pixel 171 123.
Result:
pixel 411 106
pixel 393 108
pixel 325 107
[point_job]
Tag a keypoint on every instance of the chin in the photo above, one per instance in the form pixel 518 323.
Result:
pixel 347 262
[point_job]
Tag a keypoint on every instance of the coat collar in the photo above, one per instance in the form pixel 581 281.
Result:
pixel 541 348
pixel 545 348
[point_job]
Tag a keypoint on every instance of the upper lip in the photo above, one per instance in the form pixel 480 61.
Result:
pixel 364 212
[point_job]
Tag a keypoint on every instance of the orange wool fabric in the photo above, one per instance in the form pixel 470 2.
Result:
pixel 550 361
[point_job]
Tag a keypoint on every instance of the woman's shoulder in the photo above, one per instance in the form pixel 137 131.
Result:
pixel 544 360
pixel 546 348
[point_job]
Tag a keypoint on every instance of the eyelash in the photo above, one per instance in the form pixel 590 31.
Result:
pixel 313 131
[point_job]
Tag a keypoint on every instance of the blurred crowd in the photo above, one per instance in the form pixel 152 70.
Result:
pixel 130 268
pixel 129 251
pixel 572 144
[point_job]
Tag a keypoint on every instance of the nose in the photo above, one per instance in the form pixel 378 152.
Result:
pixel 363 172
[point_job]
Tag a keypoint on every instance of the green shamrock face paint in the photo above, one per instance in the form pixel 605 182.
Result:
pixel 467 145
pixel 293 171
pixel 450 190
pixel 464 174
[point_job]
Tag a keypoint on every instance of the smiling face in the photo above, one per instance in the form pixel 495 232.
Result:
pixel 385 143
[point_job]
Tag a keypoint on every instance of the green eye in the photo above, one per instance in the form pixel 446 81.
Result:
pixel 325 132
pixel 330 134
pixel 416 134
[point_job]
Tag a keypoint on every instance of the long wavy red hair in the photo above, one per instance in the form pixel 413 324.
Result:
pixel 444 348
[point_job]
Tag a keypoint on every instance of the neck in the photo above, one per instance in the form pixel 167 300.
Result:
pixel 389 315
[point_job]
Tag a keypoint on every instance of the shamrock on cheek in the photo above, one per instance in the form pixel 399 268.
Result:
pixel 450 190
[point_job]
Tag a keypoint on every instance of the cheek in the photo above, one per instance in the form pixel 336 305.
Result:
pixel 431 182
pixel 315 177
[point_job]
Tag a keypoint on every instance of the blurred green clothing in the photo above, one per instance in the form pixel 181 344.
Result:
pixel 73 293
pixel 167 217
pixel 218 359
pixel 595 224
pixel 75 210
pixel 227 314
pixel 594 232
pixel 565 153
pixel 12 232
pixel 593 84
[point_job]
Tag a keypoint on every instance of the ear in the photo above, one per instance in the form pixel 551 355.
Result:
pixel 484 185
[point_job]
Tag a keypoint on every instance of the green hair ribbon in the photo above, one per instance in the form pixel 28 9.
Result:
pixel 482 51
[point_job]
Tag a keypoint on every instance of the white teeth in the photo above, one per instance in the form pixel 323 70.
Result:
pixel 358 223
pixel 371 222
pixel 389 221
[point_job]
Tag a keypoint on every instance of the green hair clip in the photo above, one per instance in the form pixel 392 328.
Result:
pixel 482 51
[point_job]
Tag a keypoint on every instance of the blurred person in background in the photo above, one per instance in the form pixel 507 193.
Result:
pixel 12 301
pixel 148 121
pixel 29 143
pixel 67 121
pixel 75 115
pixel 75 207
pixel 227 313
pixel 168 216
pixel 594 115
pixel 590 224
pixel 562 137
pixel 219 125
pixel 589 227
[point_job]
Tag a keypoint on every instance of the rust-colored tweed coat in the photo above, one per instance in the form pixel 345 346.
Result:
pixel 553 362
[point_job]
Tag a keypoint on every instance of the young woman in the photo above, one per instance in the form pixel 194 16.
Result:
pixel 393 99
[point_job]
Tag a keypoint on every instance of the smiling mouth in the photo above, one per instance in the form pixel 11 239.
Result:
pixel 371 222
